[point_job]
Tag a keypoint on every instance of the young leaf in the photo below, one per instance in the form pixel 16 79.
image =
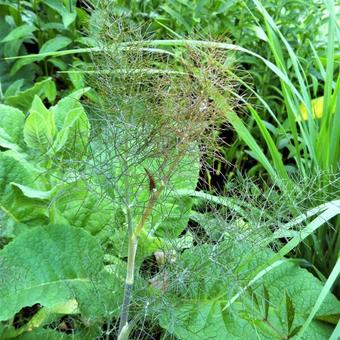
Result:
pixel 66 104
pixel 74 134
pixel 39 129
pixel 23 100
pixel 69 122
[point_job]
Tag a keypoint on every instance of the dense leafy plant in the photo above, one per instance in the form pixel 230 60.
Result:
pixel 39 27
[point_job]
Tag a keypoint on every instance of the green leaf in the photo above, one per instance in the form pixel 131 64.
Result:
pixel 70 120
pixel 171 213
pixel 204 320
pixel 14 88
pixel 12 122
pixel 67 16
pixel 23 31
pixel 23 99
pixel 207 275
pixel 52 265
pixel 6 141
pixel 66 104
pixel 19 64
pixel 72 139
pixel 33 193
pixel 13 203
pixel 55 44
pixel 323 294
pixel 84 208
pixel 51 334
pixel 50 91
pixel 77 78
pixel 39 129
pixel 336 333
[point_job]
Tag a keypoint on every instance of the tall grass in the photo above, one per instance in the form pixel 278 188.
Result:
pixel 315 142
pixel 312 125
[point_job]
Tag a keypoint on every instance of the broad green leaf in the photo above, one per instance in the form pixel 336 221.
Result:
pixel 55 44
pixel 51 334
pixel 70 120
pixel 12 122
pixel 290 312
pixel 323 294
pixel 66 104
pixel 68 18
pixel 147 245
pixel 39 129
pixel 77 78
pixel 205 320
pixel 210 278
pixel 13 203
pixel 72 139
pixel 23 31
pixel 14 88
pixel 86 209
pixel 12 48
pixel 23 99
pixel 6 141
pixel 171 212
pixel 58 63
pixel 52 265
pixel 50 90
pixel 33 193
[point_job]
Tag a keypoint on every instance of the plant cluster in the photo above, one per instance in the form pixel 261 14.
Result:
pixel 31 34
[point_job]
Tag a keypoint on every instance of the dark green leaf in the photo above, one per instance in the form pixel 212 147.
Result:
pixel 23 100
pixel 55 44
pixel 23 31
